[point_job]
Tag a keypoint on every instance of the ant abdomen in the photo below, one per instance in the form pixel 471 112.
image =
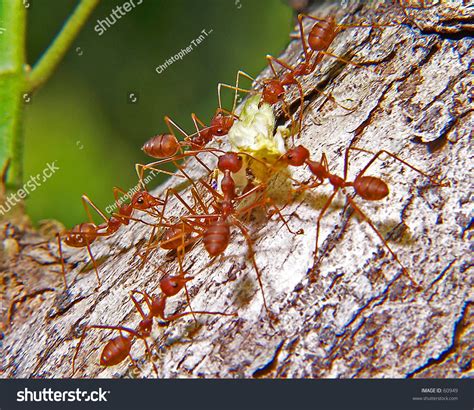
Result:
pixel 371 188
pixel 174 237
pixel 81 234
pixel 322 35
pixel 161 146
pixel 216 237
pixel 116 350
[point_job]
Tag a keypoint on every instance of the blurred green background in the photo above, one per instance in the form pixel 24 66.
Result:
pixel 83 118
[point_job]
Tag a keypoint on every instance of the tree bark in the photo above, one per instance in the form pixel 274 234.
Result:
pixel 358 314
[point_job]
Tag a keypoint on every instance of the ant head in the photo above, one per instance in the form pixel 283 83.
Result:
pixel 230 161
pixel 273 91
pixel 296 156
pixel 143 200
pixel 171 285
pixel 161 146
pixel 221 124
pixel 145 326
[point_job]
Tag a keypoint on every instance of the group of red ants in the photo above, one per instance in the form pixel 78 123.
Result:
pixel 215 211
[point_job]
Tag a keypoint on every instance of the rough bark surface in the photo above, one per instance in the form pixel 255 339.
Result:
pixel 358 315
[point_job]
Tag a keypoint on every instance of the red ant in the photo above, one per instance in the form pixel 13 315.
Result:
pixel 167 145
pixel 272 92
pixel 118 348
pixel 367 187
pixel 322 35
pixel 320 38
pixel 177 236
pixel 84 234
pixel 216 226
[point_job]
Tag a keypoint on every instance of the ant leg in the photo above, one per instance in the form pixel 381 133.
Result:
pixel 63 269
pixel 285 106
pixel 148 249
pixel 140 170
pixel 277 211
pixel 116 190
pixel 249 241
pixel 199 201
pixel 306 51
pixel 345 61
pixel 87 202
pixel 343 26
pixel 180 263
pixel 394 157
pixel 137 305
pixel 93 262
pixel 176 316
pixel 271 60
pixel 333 100
pixel 318 222
pixel 118 199
pixel 240 73
pixel 377 232
pixel 236 89
pixel 148 350
pixel 181 169
pixel 217 196
pixel 170 124
pixel 195 312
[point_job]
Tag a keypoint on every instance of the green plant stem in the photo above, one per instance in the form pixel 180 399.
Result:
pixel 12 74
pixel 55 52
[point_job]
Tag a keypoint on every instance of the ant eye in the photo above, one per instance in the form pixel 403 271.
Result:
pixel 140 200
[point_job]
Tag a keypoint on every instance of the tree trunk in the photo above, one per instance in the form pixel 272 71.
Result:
pixel 358 314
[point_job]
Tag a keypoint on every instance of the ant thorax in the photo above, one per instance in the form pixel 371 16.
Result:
pixel 254 134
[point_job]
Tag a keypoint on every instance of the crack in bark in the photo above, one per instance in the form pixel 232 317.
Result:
pixel 271 365
pixel 459 326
